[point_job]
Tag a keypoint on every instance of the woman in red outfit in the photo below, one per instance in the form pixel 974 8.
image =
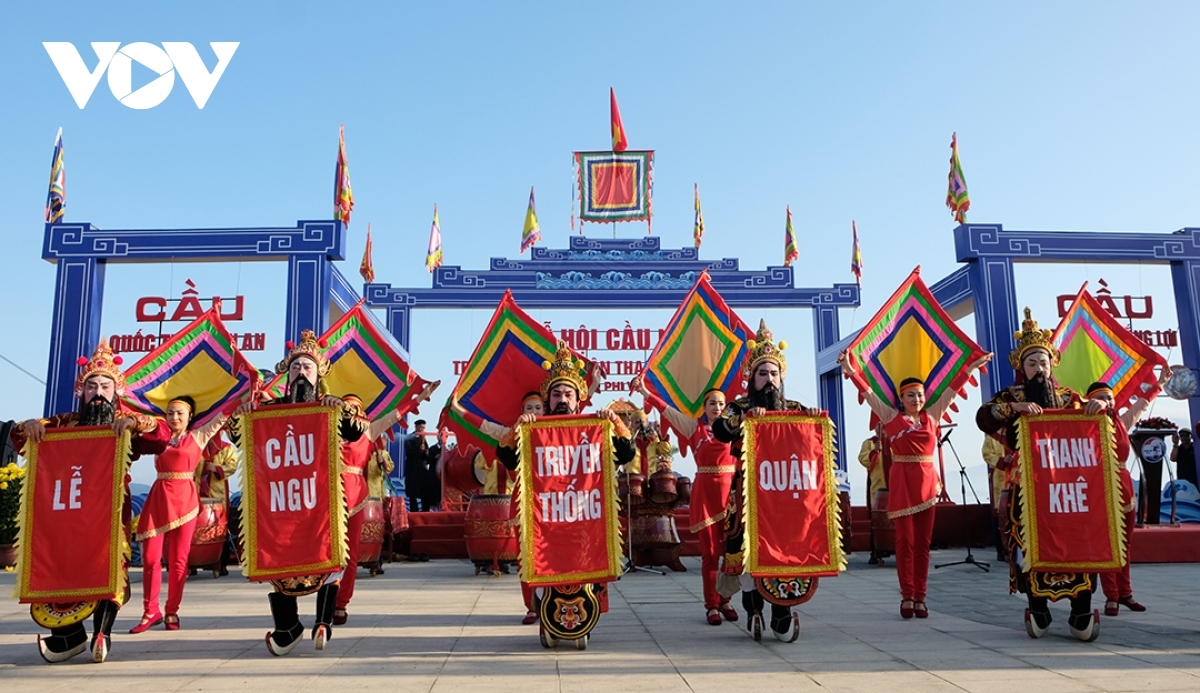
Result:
pixel 171 508
pixel 710 491
pixel 913 484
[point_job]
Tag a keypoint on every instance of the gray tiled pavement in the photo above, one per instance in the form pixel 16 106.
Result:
pixel 435 627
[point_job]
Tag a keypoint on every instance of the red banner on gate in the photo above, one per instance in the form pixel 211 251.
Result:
pixel 71 539
pixel 792 526
pixel 293 512
pixel 569 531
pixel 1070 493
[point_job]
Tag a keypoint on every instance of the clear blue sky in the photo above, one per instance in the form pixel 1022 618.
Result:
pixel 1069 116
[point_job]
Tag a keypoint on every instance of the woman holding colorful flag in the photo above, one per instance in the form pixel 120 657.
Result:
pixel 171 509
pixel 715 467
pixel 911 431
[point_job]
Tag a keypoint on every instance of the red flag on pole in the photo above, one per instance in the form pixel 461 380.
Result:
pixel 620 143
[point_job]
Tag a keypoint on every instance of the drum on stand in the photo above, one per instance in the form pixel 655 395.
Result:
pixel 631 487
pixel 492 540
pixel 663 487
pixel 209 537
pixel 684 488
pixel 371 537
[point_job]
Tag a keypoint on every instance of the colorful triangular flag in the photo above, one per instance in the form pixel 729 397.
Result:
pixel 56 198
pixel 531 233
pixel 367 267
pixel 698 223
pixel 201 361
pixel 957 199
pixel 856 261
pixel 912 337
pixel 791 251
pixel 433 256
pixel 619 142
pixel 343 196
pixel 1095 347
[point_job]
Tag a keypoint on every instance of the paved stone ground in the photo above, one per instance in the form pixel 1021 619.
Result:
pixel 435 627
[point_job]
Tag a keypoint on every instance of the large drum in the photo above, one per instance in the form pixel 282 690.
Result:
pixel 655 531
pixel 684 488
pixel 631 487
pixel 371 538
pixel 491 538
pixel 209 538
pixel 460 472
pixel 662 487
pixel 882 529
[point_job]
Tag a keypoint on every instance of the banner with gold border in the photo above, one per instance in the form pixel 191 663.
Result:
pixel 568 501
pixel 293 505
pixel 1071 516
pixel 72 542
pixel 791 511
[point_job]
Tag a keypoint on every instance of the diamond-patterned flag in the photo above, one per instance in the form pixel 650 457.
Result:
pixel 201 361
pixel 615 186
pixel 702 347
pixel 957 199
pixel 506 364
pixel 1097 348
pixel 912 337
pixel 365 360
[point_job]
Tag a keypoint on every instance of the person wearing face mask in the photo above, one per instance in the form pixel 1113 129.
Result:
pixel 765 369
pixel 911 432
pixel 170 510
pixel 710 491
pixel 1036 391
pixel 98 386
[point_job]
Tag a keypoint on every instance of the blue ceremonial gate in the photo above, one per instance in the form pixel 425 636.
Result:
pixel 985 285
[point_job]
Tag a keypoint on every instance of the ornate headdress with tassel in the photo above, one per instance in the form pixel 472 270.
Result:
pixel 564 369
pixel 762 348
pixel 1030 338
pixel 103 362
pixel 309 347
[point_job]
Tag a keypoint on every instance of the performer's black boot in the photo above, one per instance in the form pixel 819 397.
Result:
pixel 1084 623
pixel 102 625
pixel 326 602
pixel 752 602
pixel 1037 616
pixel 288 627
pixel 63 643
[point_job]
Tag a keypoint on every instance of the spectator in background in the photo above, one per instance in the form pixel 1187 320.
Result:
pixel 416 467
pixel 1184 456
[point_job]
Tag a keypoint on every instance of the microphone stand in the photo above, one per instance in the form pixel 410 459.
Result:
pixel 964 482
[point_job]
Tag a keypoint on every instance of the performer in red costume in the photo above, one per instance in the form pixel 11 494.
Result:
pixel 171 508
pixel 710 491
pixel 1118 590
pixel 912 435
pixel 357 453
pixel 1034 392
pixel 98 386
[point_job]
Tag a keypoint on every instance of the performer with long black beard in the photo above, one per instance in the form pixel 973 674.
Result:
pixel 306 366
pixel 1034 392
pixel 98 386
pixel 764 370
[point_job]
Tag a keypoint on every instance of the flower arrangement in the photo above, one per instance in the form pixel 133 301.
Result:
pixel 11 477
pixel 1157 423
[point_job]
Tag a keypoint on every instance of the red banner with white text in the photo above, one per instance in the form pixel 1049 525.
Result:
pixel 1070 493
pixel 792 526
pixel 293 512
pixel 569 531
pixel 72 541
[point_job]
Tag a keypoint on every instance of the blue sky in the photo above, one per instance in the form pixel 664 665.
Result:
pixel 1069 116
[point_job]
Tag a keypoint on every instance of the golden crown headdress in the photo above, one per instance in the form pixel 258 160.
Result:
pixel 309 347
pixel 102 362
pixel 762 348
pixel 1031 338
pixel 564 369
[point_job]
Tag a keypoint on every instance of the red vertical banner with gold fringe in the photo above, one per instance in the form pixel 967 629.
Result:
pixel 72 541
pixel 791 522
pixel 1071 517
pixel 568 512
pixel 293 512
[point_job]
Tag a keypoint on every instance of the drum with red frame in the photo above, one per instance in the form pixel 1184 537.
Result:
pixel 461 472
pixel 491 535
pixel 209 537
pixel 371 537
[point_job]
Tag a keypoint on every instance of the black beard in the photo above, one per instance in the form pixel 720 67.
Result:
pixel 98 412
pixel 1038 391
pixel 768 398
pixel 563 408
pixel 302 391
